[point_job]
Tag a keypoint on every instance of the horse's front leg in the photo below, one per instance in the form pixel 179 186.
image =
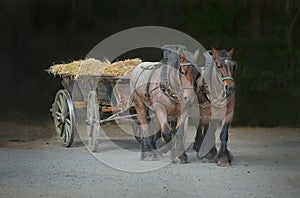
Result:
pixel 224 157
pixel 199 136
pixel 178 153
pixel 210 156
pixel 205 141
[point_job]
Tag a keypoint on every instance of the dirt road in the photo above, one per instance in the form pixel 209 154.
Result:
pixel 33 164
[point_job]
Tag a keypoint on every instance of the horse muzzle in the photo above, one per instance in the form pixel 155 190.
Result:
pixel 230 89
pixel 189 97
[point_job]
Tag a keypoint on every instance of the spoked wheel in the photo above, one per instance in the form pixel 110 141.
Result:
pixel 93 118
pixel 64 120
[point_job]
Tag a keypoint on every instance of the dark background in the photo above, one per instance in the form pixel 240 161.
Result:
pixel 34 34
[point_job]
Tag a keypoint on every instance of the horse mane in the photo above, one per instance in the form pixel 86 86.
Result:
pixel 223 54
pixel 173 59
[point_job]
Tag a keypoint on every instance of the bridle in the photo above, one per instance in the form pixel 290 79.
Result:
pixel 224 62
pixel 220 100
pixel 180 73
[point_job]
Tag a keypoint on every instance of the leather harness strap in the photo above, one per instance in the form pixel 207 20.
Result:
pixel 148 84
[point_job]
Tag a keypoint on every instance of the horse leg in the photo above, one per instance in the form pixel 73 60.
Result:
pixel 210 141
pixel 164 143
pixel 178 153
pixel 224 157
pixel 210 156
pixel 199 137
pixel 147 150
pixel 148 145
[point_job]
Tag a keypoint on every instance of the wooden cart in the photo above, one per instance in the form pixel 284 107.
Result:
pixel 105 99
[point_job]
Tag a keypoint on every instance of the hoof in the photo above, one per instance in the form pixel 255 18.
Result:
pixel 179 161
pixel 224 158
pixel 162 146
pixel 149 156
pixel 224 162
pixel 209 157
pixel 196 147
pixel 182 159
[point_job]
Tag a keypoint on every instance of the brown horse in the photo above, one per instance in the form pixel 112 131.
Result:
pixel 216 97
pixel 165 89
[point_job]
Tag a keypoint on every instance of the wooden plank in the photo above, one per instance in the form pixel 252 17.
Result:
pixel 79 104
pixel 109 109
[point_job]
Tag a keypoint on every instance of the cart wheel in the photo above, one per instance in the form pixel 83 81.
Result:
pixel 64 120
pixel 93 118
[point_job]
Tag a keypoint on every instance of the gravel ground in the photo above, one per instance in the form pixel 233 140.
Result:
pixel 33 164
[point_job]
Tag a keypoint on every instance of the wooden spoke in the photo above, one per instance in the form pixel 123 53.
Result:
pixel 64 119
pixel 93 118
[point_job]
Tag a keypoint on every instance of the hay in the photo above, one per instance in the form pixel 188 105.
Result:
pixel 121 68
pixel 74 69
pixel 93 67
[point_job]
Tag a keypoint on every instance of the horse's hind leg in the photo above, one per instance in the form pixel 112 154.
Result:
pixel 148 150
pixel 224 157
pixel 164 143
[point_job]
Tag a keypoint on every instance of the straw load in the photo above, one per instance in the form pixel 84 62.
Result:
pixel 94 67
pixel 121 68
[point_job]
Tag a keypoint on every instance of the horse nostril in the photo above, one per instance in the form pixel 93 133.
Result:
pixel 185 99
pixel 227 87
pixel 230 87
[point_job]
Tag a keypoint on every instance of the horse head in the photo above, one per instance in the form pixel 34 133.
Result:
pixel 188 74
pixel 225 69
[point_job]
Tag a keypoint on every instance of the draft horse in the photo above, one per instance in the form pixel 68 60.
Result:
pixel 164 89
pixel 216 97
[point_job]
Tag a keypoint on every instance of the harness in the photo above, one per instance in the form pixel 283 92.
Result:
pixel 207 88
pixel 152 68
pixel 172 58
pixel 149 79
pixel 165 83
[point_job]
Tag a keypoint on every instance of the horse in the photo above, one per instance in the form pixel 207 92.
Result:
pixel 216 97
pixel 165 89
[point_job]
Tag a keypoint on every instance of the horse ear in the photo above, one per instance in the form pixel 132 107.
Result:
pixel 215 53
pixel 182 57
pixel 196 55
pixel 230 53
